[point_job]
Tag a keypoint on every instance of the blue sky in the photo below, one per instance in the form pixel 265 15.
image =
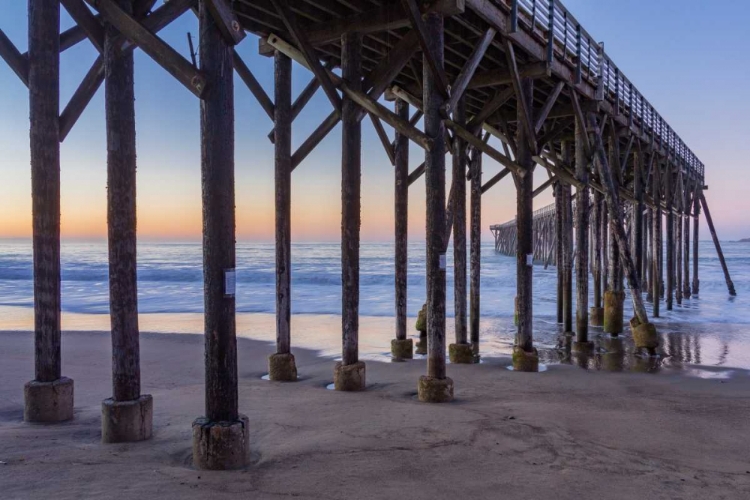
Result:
pixel 689 58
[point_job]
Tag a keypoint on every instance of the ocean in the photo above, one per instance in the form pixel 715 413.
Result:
pixel 171 297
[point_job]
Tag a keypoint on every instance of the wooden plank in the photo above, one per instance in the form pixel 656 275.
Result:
pixel 416 173
pixel 542 187
pixel 252 83
pixel 383 136
pixel 300 39
pixel 163 54
pixel 226 20
pixel 13 58
pixel 503 76
pixel 219 260
pixel 90 24
pixel 494 180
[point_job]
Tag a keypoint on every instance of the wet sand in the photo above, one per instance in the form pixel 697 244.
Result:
pixel 566 433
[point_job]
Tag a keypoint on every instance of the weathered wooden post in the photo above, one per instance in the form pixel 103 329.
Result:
pixel 476 249
pixel 596 314
pixel 669 194
pixel 281 364
pixel 638 207
pixel 678 257
pixel 461 352
pixel 604 219
pixel 349 373
pixel 401 347
pixel 649 260
pixel 686 250
pixel 435 387
pixel 221 438
pixel 582 233
pixel 719 252
pixel 644 332
pixel 49 397
pixel 127 415
pixel 557 187
pixel 656 245
pixel 567 242
pixel 614 296
pixel 525 356
pixel 696 224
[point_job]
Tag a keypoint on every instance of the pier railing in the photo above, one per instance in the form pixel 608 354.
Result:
pixel 568 40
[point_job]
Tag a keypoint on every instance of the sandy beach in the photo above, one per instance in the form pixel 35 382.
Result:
pixel 564 433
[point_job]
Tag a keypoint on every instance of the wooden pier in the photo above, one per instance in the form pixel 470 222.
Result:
pixel 520 82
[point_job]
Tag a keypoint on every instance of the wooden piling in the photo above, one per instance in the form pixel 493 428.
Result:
pixel 656 245
pixel 649 254
pixel 559 215
pixel 719 252
pixel 44 105
pixel 669 191
pixel 582 233
pixel 696 224
pixel 678 257
pixel 525 224
pixel 567 242
pixel 476 249
pixel 283 187
pixel 217 166
pixel 435 203
pixel 614 271
pixel 121 213
pixel 686 252
pixel 638 208
pixel 459 226
pixel 351 173
pixel 596 254
pixel 401 155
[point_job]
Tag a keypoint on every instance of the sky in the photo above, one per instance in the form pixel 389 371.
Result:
pixel 690 59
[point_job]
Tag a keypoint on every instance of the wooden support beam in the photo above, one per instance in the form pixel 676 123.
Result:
pixel 91 25
pixel 430 58
pixel 13 58
pixel 696 225
pixel 503 76
pixel 252 83
pixel 81 97
pixel 475 237
pixel 300 39
pixel 283 199
pixel 383 136
pixel 542 187
pixel 226 20
pixel 719 252
pixel 432 36
pixel 44 83
pixel 494 180
pixel 582 233
pixel 613 204
pixel 493 153
pixel 119 107
pixel 416 173
pixel 544 112
pixel 401 216
pixel 525 115
pixel 567 241
pixel 669 196
pixel 351 173
pixel 217 166
pixel 458 210
pixel 467 72
pixel 497 101
pixel 163 54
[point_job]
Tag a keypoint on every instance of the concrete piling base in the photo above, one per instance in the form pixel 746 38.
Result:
pixel 221 445
pixel 349 378
pixel 461 354
pixel 525 361
pixel 645 336
pixel 127 421
pixel 613 312
pixel 596 316
pixel 402 349
pixel 282 368
pixel 435 390
pixel 422 343
pixel 48 402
